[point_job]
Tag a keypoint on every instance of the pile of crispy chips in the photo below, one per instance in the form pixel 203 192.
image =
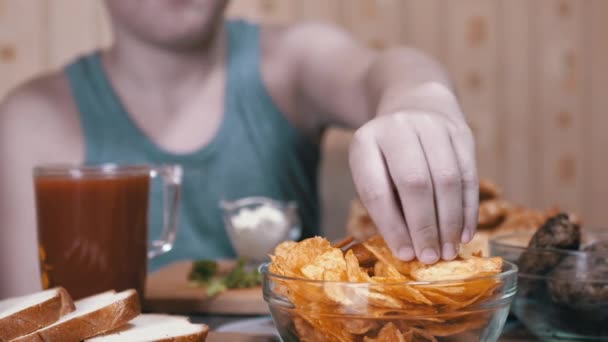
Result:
pixel 361 292
pixel 498 215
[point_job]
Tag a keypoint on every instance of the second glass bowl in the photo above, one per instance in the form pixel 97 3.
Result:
pixel 567 299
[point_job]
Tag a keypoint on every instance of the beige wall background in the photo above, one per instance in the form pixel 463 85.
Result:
pixel 532 76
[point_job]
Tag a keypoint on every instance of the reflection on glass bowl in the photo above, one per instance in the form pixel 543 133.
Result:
pixel 567 300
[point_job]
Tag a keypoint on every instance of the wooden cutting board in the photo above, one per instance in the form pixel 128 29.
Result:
pixel 169 291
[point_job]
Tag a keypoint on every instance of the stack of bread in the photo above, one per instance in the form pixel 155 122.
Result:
pixel 496 216
pixel 51 315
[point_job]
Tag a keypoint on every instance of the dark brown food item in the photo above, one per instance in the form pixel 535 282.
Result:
pixel 487 190
pixel 492 213
pixel 559 232
pixel 597 247
pixel 568 291
pixel 580 281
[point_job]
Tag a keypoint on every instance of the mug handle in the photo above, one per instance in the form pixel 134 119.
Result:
pixel 172 184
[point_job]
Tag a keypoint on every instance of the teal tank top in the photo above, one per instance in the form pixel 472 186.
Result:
pixel 256 151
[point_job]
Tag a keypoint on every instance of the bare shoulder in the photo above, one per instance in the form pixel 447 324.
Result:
pixel 310 44
pixel 41 114
pixel 310 32
pixel 291 41
pixel 38 125
pixel 43 97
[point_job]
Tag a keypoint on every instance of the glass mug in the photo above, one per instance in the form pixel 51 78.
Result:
pixel 93 224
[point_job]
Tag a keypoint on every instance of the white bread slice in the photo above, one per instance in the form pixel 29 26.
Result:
pixel 93 316
pixel 156 328
pixel 22 315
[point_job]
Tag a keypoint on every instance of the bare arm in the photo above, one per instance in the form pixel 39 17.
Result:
pixel 36 127
pixel 342 82
pixel 412 157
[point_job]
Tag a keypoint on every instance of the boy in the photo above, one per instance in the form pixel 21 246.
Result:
pixel 242 108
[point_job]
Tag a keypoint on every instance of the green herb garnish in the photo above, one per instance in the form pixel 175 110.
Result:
pixel 204 273
pixel 203 270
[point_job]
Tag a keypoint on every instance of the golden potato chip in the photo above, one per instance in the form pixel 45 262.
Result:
pixel 313 272
pixel 474 287
pixel 277 266
pixel 309 295
pixel 313 330
pixel 304 253
pixel 335 291
pixel 456 302
pixel 331 260
pixel 454 324
pixel 456 305
pixel 364 301
pixel 413 311
pixel 384 270
pixel 305 331
pixel 457 269
pixel 344 242
pixel 456 327
pixel 378 247
pixel 364 256
pixel 422 336
pixel 359 326
pixel 413 334
pixel 331 328
pixel 284 248
pixel 354 273
pixel 449 290
pixel 400 290
pixel 439 298
pixel 388 333
pixel 383 300
pixel 479 289
pixel 408 336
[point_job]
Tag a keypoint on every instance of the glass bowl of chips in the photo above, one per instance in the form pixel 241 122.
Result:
pixel 319 292
pixel 563 294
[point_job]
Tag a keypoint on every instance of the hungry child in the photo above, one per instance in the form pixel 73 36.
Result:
pixel 242 107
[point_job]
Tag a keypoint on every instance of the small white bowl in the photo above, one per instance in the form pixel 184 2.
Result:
pixel 256 225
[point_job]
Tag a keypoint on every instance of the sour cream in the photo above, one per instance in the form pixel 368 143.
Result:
pixel 257 230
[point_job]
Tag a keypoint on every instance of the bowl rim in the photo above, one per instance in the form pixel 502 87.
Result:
pixel 499 241
pixel 246 201
pixel 512 268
